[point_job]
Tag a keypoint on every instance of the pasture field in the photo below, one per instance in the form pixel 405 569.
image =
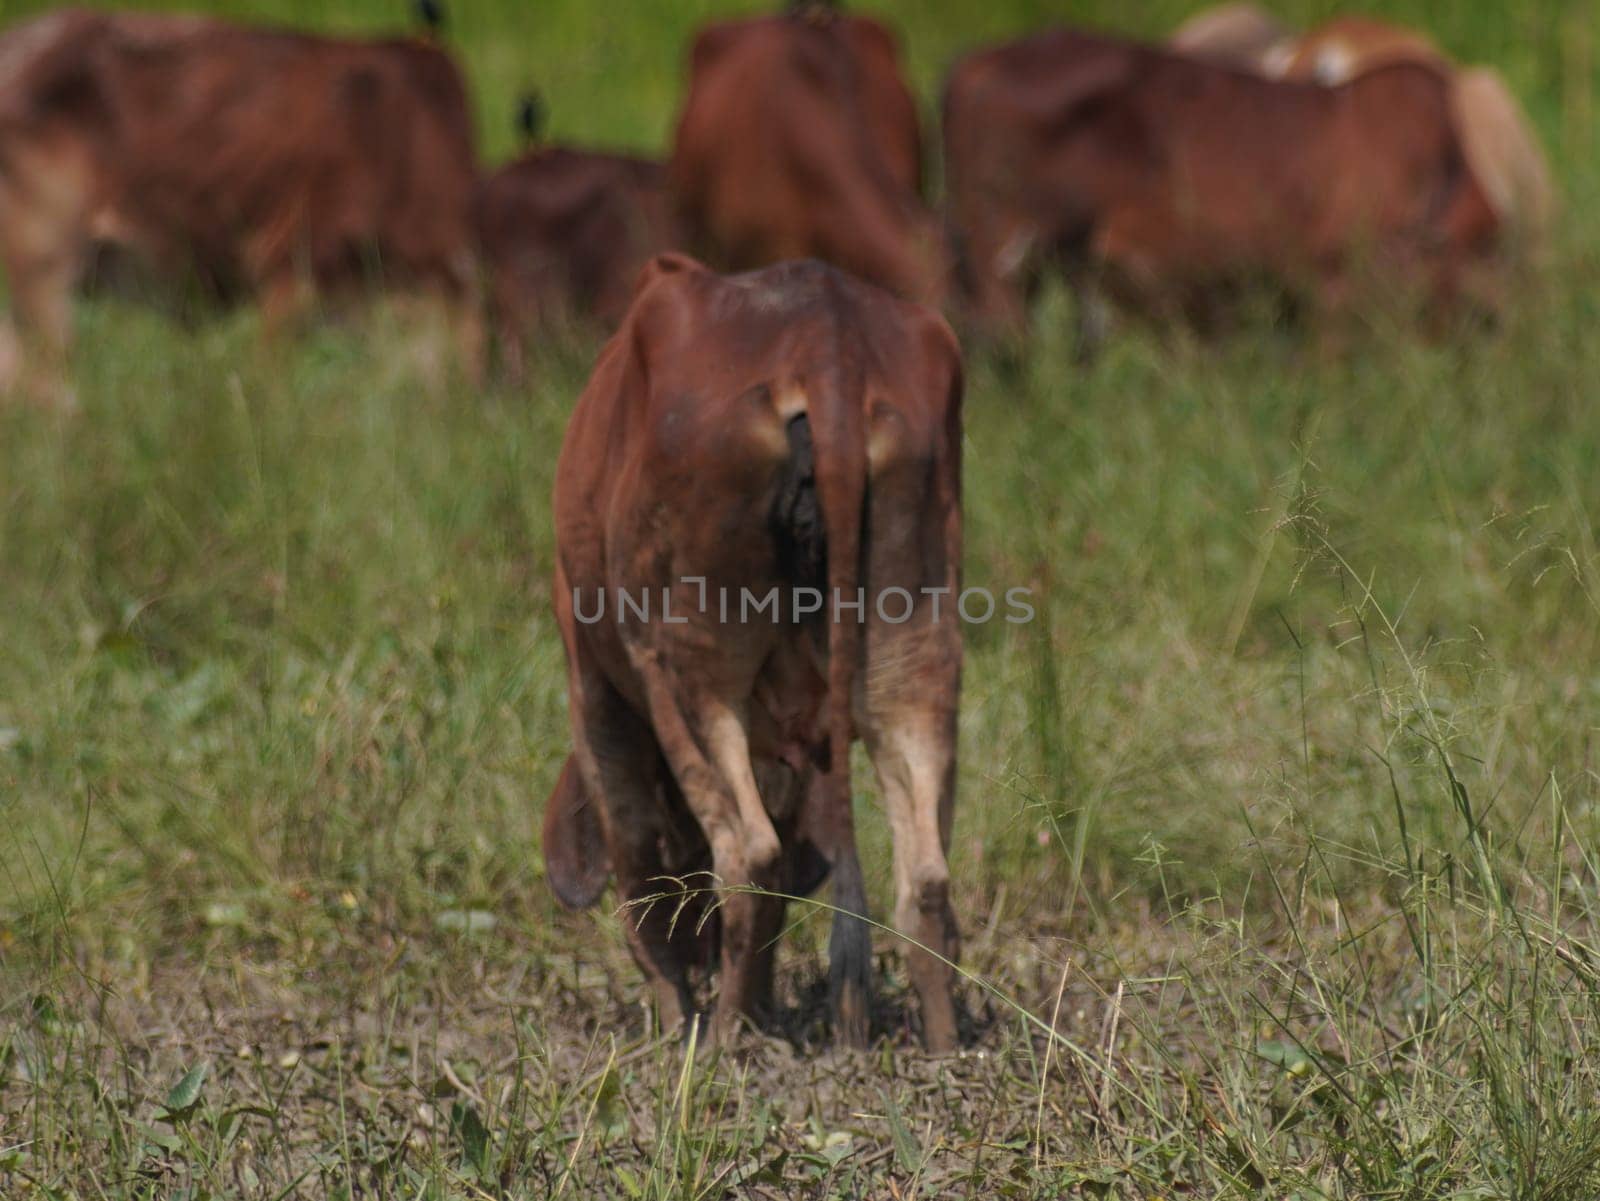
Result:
pixel 1278 849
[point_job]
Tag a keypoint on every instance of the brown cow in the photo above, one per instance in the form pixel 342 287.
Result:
pixel 745 439
pixel 1166 177
pixel 1495 133
pixel 799 138
pixel 565 233
pixel 255 160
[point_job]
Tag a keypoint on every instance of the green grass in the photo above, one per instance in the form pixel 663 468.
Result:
pixel 1282 816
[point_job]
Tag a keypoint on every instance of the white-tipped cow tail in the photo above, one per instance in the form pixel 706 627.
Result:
pixel 828 449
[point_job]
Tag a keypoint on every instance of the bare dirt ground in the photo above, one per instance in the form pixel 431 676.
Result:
pixel 521 1063
pixel 357 1067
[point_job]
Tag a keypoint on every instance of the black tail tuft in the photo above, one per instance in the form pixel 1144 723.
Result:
pixel 797 514
pixel 430 15
pixel 530 115
pixel 850 954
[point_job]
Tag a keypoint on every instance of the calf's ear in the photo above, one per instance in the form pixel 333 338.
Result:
pixel 575 859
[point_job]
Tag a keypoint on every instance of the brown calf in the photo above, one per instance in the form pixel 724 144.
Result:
pixel 565 233
pixel 742 436
pixel 1168 177
pixel 798 139
pixel 254 160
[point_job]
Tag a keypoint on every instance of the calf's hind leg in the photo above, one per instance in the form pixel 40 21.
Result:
pixel 619 764
pixel 915 761
pixel 720 788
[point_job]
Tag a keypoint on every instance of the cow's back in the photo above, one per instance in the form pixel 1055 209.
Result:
pixel 798 138
pixel 1496 135
pixel 1270 161
pixel 892 121
pixel 572 228
pixel 1175 174
pixel 748 90
pixel 1339 50
pixel 252 151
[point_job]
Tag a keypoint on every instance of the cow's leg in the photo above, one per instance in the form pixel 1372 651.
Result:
pixel 751 918
pixel 513 352
pixel 425 321
pixel 766 928
pixel 11 359
pixel 660 930
pixel 470 334
pixel 46 199
pixel 1093 313
pixel 720 789
pixel 914 756
pixel 1133 257
pixel 1333 295
pixel 997 258
pixel 442 323
pixel 286 297
pixel 796 801
pixel 42 293
pixel 617 757
pixel 514 317
pixel 906 700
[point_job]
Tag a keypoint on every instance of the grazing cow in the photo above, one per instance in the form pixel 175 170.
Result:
pixel 1495 133
pixel 799 138
pixel 1170 179
pixel 745 439
pixel 251 160
pixel 565 233
pixel 1230 35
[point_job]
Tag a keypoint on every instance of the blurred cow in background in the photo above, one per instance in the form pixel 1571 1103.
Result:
pixel 1171 180
pixel 1495 132
pixel 800 138
pixel 565 233
pixel 251 161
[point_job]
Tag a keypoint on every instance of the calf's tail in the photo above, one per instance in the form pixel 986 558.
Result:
pixel 820 507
